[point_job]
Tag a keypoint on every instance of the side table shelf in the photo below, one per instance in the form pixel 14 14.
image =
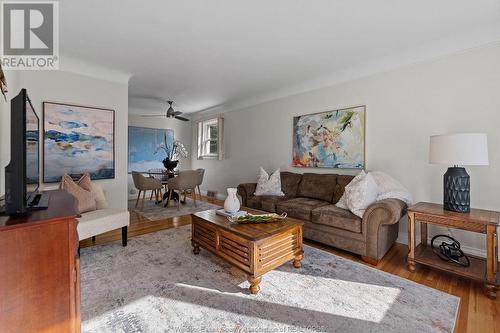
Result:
pixel 480 221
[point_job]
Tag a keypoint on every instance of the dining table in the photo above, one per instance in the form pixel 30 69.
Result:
pixel 164 181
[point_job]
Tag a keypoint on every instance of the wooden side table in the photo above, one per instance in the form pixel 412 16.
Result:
pixel 478 220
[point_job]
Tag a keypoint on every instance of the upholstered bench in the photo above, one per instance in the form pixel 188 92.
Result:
pixel 100 221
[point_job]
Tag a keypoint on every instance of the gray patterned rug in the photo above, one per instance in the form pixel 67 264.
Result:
pixel 156 284
pixel 154 212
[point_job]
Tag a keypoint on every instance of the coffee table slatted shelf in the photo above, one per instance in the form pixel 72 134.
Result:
pixel 255 248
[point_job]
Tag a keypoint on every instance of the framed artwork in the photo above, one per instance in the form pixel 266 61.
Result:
pixel 332 139
pixel 78 139
pixel 143 143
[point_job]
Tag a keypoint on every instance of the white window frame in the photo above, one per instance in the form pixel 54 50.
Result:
pixel 204 139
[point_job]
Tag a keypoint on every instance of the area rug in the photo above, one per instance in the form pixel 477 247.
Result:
pixel 156 284
pixel 154 212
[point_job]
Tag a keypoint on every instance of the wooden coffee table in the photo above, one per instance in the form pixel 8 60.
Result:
pixel 254 248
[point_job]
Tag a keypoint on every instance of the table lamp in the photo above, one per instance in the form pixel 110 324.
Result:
pixel 458 150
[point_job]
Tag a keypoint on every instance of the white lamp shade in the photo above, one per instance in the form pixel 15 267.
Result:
pixel 459 149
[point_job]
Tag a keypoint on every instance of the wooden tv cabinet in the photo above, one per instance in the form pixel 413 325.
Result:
pixel 39 269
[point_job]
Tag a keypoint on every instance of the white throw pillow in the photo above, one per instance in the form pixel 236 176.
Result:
pixel 269 185
pixel 389 187
pixel 100 198
pixel 361 193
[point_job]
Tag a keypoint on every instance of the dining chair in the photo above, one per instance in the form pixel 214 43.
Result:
pixel 186 181
pixel 201 173
pixel 144 184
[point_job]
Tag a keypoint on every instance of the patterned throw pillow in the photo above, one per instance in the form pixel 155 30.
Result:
pixel 361 192
pixel 342 203
pixel 269 185
pixel 85 198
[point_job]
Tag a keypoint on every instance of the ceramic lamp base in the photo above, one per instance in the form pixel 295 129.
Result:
pixel 456 190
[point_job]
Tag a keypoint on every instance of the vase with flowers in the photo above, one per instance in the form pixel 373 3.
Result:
pixel 174 151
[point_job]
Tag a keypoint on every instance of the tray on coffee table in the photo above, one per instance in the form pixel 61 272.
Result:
pixel 257 218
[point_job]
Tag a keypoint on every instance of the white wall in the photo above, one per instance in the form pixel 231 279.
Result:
pixel 459 93
pixel 182 132
pixel 59 86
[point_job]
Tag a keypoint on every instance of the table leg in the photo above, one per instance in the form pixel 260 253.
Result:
pixel 411 242
pixel 423 233
pixel 297 261
pixel 254 283
pixel 491 261
pixel 196 247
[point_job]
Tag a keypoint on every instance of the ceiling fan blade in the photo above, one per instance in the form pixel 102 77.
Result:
pixel 181 118
pixel 177 113
pixel 153 115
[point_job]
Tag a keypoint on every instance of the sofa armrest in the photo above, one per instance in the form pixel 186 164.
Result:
pixel 387 211
pixel 246 190
pixel 380 224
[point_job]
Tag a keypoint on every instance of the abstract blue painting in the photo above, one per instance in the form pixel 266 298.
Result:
pixel 143 152
pixel 78 140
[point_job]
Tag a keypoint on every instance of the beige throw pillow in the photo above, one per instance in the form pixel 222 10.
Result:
pixel 85 182
pixel 85 198
pixel 100 198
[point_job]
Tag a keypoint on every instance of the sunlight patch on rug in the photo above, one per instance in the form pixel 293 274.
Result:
pixel 157 284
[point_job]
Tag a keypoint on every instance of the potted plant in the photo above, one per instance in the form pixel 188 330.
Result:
pixel 174 151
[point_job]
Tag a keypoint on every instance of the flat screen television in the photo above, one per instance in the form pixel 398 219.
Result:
pixel 22 177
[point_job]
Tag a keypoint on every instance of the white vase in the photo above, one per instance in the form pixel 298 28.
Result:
pixel 232 204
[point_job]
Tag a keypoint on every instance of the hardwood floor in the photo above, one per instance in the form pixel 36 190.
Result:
pixel 477 313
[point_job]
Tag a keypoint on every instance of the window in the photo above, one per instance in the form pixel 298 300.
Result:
pixel 210 139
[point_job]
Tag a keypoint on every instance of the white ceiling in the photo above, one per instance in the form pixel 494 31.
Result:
pixel 239 52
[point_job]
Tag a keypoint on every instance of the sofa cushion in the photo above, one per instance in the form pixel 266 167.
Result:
pixel 336 217
pixel 317 186
pixel 299 208
pixel 268 203
pixel 265 202
pixel 290 183
pixel 254 201
pixel 102 220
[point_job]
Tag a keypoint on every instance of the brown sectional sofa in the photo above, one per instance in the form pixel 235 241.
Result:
pixel 311 197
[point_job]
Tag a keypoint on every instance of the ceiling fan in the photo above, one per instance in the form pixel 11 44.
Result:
pixel 171 113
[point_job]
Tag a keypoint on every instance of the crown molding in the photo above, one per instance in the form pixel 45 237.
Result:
pixel 424 54
pixel 82 67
